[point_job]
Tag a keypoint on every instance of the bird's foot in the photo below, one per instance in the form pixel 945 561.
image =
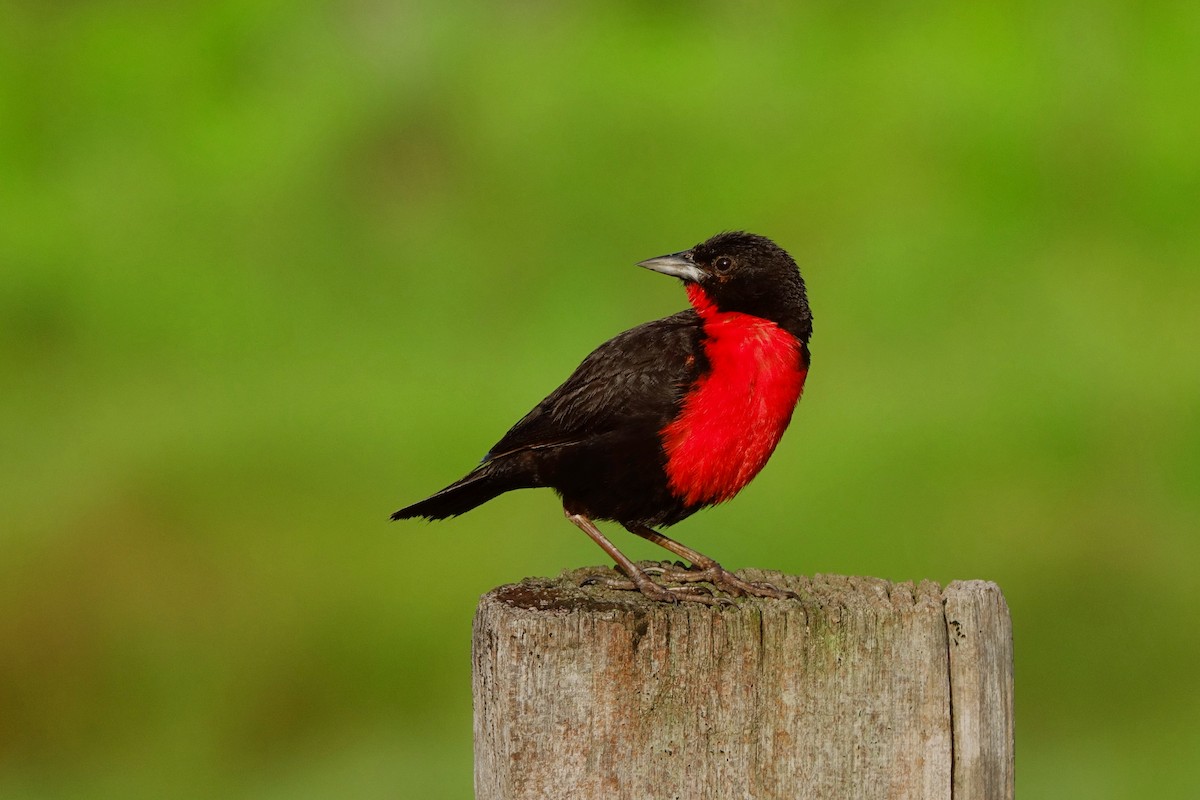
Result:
pixel 656 592
pixel 719 577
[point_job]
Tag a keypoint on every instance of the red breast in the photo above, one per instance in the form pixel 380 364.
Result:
pixel 735 415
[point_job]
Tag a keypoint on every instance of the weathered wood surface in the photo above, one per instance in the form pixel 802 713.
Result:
pixel 860 689
pixel 981 689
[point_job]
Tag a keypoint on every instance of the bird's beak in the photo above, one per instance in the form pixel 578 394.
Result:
pixel 677 265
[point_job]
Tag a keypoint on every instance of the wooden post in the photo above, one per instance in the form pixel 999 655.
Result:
pixel 860 689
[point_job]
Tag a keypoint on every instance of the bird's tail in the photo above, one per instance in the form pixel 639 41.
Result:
pixel 487 481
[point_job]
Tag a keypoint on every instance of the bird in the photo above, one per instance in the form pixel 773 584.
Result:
pixel 667 418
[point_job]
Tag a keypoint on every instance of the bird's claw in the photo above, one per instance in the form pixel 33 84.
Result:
pixel 663 567
pixel 657 592
pixel 724 580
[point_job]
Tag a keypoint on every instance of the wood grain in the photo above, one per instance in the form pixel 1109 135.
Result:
pixel 845 693
pixel 981 689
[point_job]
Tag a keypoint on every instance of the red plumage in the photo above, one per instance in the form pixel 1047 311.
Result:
pixel 736 413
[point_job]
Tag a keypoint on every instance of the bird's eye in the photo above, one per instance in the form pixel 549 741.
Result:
pixel 723 264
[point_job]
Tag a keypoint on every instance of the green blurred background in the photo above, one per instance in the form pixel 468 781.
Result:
pixel 270 272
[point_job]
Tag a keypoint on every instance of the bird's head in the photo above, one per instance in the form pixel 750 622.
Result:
pixel 744 272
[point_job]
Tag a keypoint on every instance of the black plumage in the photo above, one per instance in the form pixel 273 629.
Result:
pixel 594 439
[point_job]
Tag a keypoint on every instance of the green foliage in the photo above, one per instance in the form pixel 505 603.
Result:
pixel 269 272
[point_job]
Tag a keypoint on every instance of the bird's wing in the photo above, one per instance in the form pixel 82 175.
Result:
pixel 638 377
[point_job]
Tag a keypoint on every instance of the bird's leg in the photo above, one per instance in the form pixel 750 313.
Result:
pixel 638 579
pixel 705 569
